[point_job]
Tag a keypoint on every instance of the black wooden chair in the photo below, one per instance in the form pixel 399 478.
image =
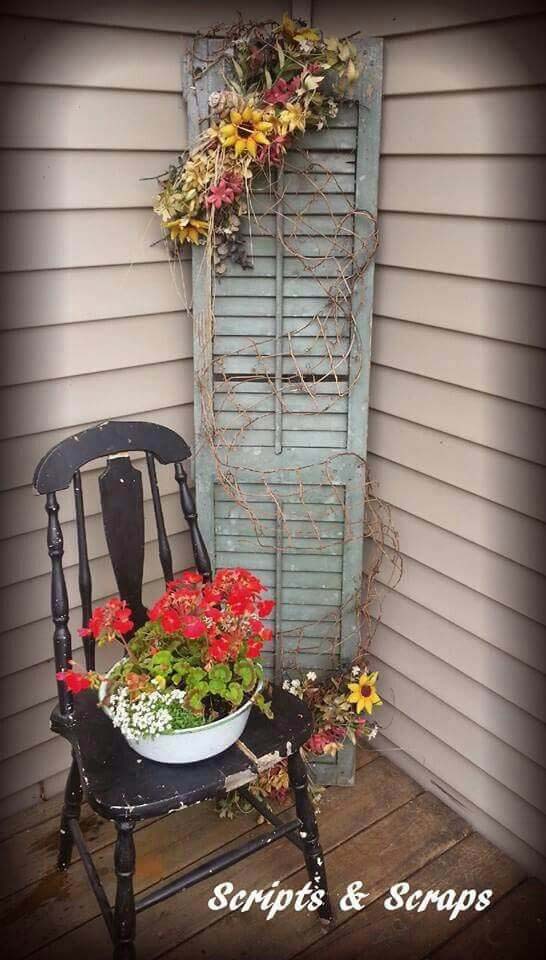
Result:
pixel 116 783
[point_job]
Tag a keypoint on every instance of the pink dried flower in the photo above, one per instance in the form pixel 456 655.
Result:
pixel 219 195
pixel 281 91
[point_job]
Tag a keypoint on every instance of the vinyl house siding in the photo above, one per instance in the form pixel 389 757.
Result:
pixel 93 326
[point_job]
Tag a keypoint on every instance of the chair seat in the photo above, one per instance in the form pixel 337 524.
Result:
pixel 121 785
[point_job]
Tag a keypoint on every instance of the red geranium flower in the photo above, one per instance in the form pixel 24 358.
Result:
pixel 171 621
pixel 191 576
pixel 219 648
pixel 253 648
pixel 265 607
pixel 193 627
pixel 75 682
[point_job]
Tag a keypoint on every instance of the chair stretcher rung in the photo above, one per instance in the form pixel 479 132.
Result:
pixel 267 813
pixel 215 864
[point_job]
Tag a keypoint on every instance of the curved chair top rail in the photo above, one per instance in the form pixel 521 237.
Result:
pixel 56 469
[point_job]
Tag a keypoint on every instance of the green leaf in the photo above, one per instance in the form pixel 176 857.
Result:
pixel 245 669
pixel 238 69
pixel 220 671
pixel 264 705
pixel 194 697
pixel 268 80
pixel 280 53
pixel 234 693
pixel 194 676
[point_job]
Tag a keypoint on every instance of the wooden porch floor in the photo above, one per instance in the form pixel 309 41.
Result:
pixel 383 831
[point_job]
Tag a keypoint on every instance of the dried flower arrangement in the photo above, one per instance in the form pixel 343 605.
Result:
pixel 281 80
pixel 337 703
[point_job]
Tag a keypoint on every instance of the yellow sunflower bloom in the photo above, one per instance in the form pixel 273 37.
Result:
pixel 292 118
pixel 364 694
pixel 187 229
pixel 246 129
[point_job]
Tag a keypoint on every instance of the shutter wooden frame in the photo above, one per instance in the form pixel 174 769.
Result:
pixel 366 96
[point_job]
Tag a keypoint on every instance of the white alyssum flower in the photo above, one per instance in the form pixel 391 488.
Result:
pixel 311 675
pixel 294 687
pixel 146 716
pixel 355 671
pixel 373 733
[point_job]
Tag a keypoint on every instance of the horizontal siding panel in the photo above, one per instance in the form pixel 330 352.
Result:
pixel 509 54
pixel 503 369
pixel 49 297
pixel 47 353
pixel 509 187
pixel 479 521
pixel 17 471
pixel 483 571
pixel 481 122
pixel 34 765
pixel 51 404
pixel 514 483
pixel 487 308
pixel 491 667
pixel 487 619
pixel 398 16
pixel 79 179
pixel 503 425
pixel 76 118
pixel 24 731
pixel 29 601
pixel 437 710
pixel 486 792
pixel 31 644
pixel 33 799
pixel 25 556
pixel 498 250
pixel 80 238
pixel 80 55
pixel 166 15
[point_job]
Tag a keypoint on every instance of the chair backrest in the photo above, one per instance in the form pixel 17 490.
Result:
pixel 122 504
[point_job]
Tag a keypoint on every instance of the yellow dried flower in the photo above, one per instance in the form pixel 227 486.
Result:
pixel 187 228
pixel 246 129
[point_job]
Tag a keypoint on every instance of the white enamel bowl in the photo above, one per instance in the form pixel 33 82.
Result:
pixel 196 743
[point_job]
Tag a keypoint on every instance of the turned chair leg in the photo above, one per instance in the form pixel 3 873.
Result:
pixel 314 857
pixel 71 811
pixel 124 910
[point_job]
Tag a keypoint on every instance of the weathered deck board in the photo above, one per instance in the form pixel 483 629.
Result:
pixel 514 929
pixel 384 830
pixel 409 935
pixel 404 840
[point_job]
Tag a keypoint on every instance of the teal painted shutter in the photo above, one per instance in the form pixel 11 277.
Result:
pixel 272 392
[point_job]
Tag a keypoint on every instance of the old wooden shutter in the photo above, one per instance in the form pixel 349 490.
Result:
pixel 273 412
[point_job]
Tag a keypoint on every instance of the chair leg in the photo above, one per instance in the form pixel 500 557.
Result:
pixel 314 857
pixel 124 910
pixel 71 811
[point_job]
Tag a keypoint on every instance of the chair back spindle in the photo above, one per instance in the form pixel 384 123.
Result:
pixel 84 571
pixel 202 560
pixel 62 641
pixel 123 518
pixel 165 556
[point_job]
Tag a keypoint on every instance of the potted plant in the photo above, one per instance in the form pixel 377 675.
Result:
pixel 189 676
